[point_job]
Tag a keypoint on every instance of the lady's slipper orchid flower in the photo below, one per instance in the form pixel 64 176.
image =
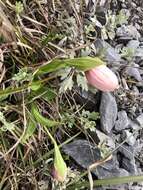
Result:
pixel 102 78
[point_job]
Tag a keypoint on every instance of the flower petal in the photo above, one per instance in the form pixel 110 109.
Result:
pixel 102 78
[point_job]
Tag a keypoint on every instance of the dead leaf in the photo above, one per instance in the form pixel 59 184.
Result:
pixel 6 28
pixel 2 68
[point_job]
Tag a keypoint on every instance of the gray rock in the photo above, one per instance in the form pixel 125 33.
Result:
pixel 133 71
pixel 133 44
pixel 105 139
pixel 122 122
pixel 127 151
pixel 108 112
pixel 85 154
pixel 129 137
pixel 82 152
pixel 138 186
pixel 129 165
pixel 123 172
pixel 115 187
pixel 139 52
pixel 129 31
pixel 103 173
pixel 139 119
pixel 109 53
pixel 134 125
pixel 110 169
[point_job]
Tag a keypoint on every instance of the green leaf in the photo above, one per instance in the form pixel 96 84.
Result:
pixel 29 131
pixel 35 85
pixel 9 91
pixel 3 97
pixel 49 94
pixel 54 65
pixel 82 63
pixel 46 93
pixel 42 120
pixel 85 63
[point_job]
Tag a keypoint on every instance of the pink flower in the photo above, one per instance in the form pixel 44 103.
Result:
pixel 102 78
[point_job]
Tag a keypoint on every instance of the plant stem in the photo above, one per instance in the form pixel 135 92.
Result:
pixel 108 181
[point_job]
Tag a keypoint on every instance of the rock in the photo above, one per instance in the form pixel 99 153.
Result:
pixel 136 186
pixel 83 152
pixel 133 71
pixel 110 169
pixel 135 91
pixel 122 122
pixel 109 53
pixel 115 187
pixel 123 172
pixel 134 44
pixel 129 165
pixel 139 52
pixel 105 139
pixel 129 137
pixel 139 119
pixel 126 151
pixel 103 173
pixel 134 125
pixel 129 32
pixel 108 112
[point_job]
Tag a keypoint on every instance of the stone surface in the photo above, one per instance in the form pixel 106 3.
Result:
pixel 139 52
pixel 110 169
pixel 129 137
pixel 108 112
pixel 109 53
pixel 134 125
pixel 127 151
pixel 122 122
pixel 133 71
pixel 85 154
pixel 129 165
pixel 82 152
pixel 105 139
pixel 133 44
pixel 129 32
pixel 139 119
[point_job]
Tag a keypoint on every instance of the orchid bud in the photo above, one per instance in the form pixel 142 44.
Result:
pixel 58 175
pixel 60 168
pixel 102 78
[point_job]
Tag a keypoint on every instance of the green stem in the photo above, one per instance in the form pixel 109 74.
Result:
pixel 51 151
pixel 109 181
pixel 9 91
pixel 51 137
